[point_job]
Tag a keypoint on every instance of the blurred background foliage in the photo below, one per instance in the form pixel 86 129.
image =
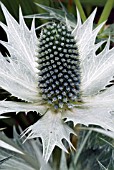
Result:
pixel 29 8
pixel 98 151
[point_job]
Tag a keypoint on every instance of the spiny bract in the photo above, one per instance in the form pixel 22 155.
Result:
pixel 59 66
pixel 69 71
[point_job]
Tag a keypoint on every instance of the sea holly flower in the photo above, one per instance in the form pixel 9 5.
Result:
pixel 58 75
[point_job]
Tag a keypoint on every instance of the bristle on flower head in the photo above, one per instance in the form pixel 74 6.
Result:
pixel 59 66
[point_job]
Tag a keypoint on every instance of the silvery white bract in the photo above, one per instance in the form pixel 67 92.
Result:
pixel 19 76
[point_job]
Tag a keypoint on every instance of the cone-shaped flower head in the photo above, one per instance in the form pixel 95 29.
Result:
pixel 57 73
pixel 59 66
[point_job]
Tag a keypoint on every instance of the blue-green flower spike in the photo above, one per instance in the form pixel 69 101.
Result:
pixel 59 66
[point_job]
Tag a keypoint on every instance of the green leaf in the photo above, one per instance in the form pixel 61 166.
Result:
pixel 54 14
pixel 97 148
pixel 101 166
pixel 5 159
pixel 108 31
pixel 106 11
pixel 9 147
pixel 94 2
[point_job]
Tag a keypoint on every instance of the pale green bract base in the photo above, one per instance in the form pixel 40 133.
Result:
pixel 19 77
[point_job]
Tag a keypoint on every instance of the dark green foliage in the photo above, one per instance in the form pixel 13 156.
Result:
pixel 98 150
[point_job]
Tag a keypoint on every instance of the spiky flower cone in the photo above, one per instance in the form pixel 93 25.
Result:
pixel 58 75
pixel 59 66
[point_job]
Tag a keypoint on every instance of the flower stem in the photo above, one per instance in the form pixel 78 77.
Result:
pixel 81 11
pixel 106 11
pixel 56 158
pixel 81 147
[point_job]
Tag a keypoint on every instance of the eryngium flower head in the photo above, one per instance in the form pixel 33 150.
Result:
pixel 58 75
pixel 59 66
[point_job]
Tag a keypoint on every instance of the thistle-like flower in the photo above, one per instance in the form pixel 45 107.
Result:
pixel 58 75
